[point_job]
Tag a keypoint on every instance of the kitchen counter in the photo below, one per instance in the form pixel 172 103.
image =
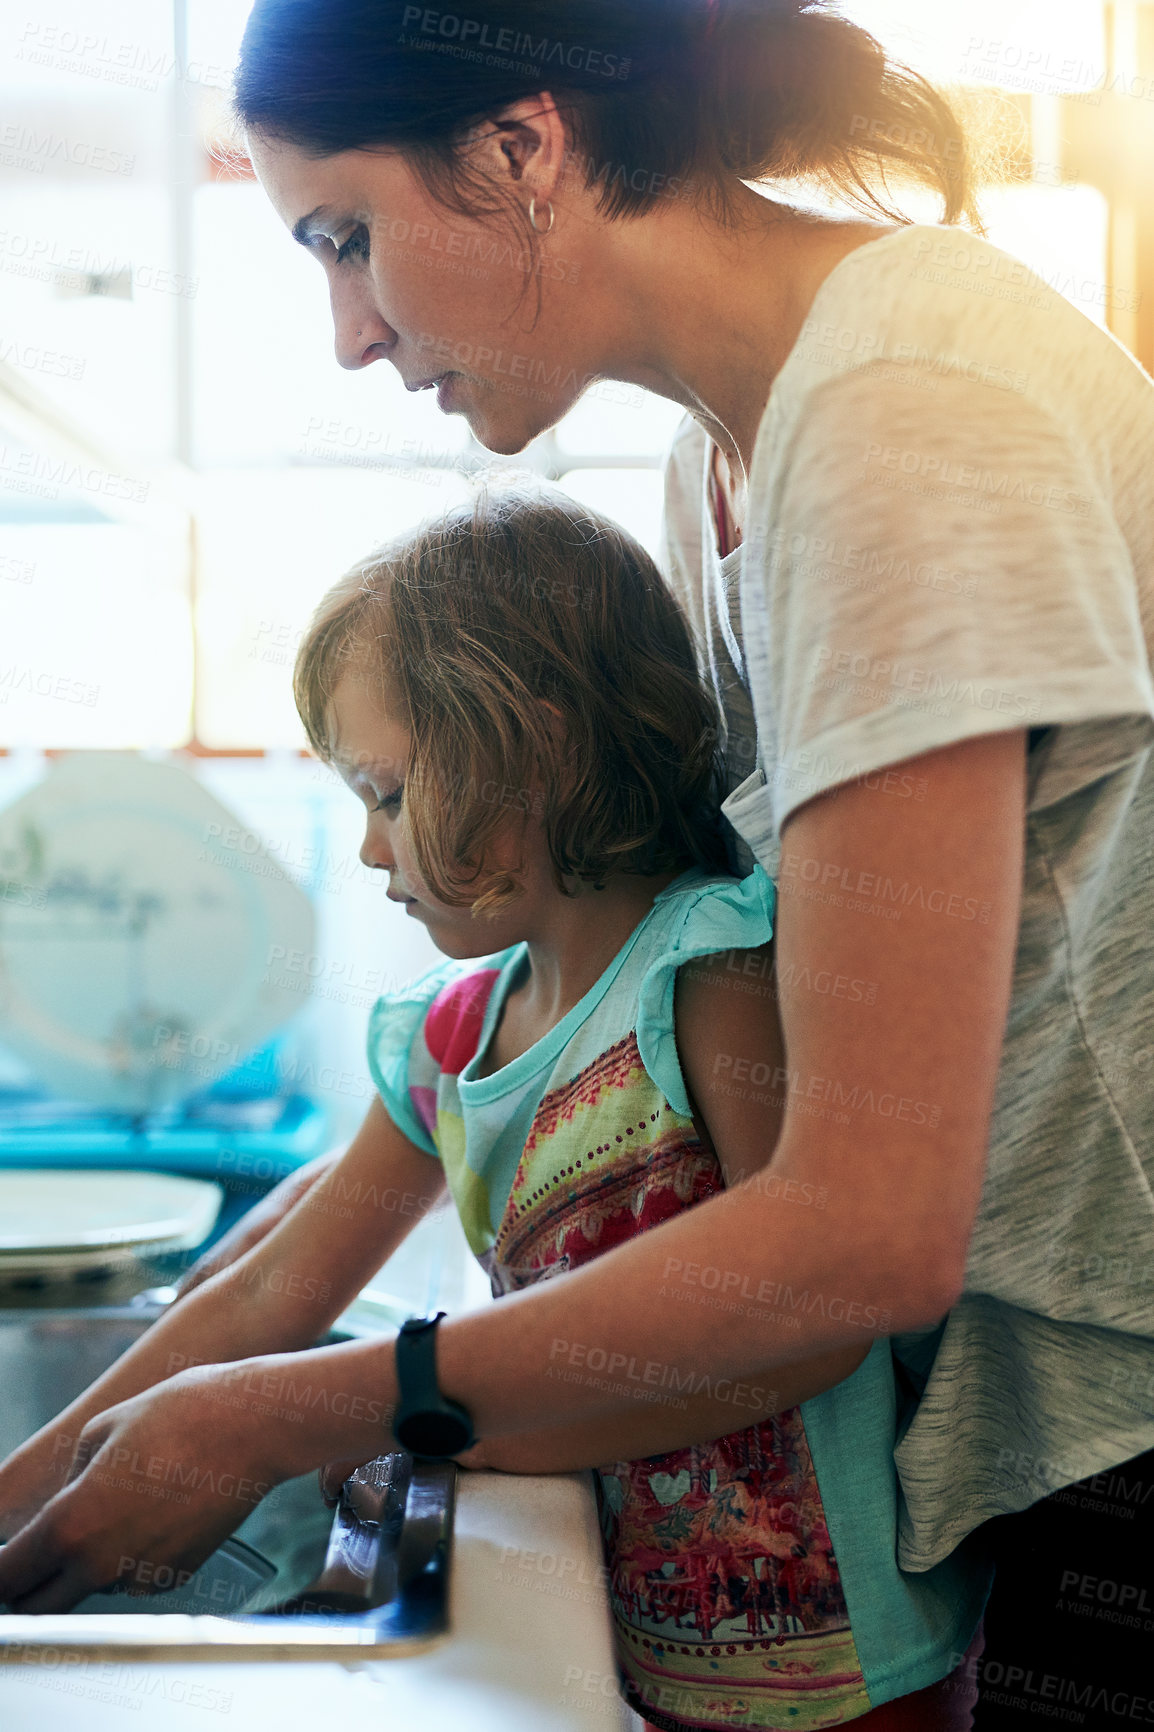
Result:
pixel 530 1648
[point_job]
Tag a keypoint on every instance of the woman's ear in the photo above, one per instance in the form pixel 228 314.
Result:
pixel 524 142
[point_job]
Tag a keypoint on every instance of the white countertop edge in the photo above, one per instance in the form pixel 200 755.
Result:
pixel 530 1647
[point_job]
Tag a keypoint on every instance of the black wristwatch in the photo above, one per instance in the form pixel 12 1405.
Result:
pixel 426 1422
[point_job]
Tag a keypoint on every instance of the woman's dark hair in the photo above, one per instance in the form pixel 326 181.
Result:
pixel 660 97
pixel 541 666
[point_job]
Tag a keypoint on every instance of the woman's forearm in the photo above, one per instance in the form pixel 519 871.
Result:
pixel 747 1278
pixel 669 1423
pixel 603 1353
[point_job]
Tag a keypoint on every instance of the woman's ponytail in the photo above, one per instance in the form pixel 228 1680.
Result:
pixel 663 98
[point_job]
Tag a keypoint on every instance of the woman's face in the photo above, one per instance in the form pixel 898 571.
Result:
pixel 441 296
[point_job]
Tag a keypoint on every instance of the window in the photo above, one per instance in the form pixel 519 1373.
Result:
pixel 223 470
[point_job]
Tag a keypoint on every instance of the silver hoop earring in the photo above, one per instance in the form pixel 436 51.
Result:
pixel 533 216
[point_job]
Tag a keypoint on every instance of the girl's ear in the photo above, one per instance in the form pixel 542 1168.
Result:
pixel 556 725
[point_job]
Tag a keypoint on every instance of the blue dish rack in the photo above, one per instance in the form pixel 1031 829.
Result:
pixel 240 1133
pixel 219 1138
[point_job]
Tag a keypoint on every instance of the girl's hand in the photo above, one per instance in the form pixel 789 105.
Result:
pixel 333 1475
pixel 154 1484
pixel 256 1223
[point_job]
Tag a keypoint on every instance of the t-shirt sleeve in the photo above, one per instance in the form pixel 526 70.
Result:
pixel 402 1068
pixel 729 914
pixel 940 564
pixel 679 555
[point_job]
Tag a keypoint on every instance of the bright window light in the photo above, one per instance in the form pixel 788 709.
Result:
pixel 1044 47
pixel 633 497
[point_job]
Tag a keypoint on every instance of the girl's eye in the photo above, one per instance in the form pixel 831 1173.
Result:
pixel 390 802
pixel 356 247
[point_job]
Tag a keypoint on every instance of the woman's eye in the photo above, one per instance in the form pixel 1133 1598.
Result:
pixel 389 802
pixel 356 247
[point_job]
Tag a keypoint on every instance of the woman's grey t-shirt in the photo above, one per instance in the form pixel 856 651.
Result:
pixel 950 532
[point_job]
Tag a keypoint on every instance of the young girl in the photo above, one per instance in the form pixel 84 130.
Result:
pixel 512 693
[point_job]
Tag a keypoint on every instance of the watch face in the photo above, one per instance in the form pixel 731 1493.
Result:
pixel 418 1325
pixel 440 1434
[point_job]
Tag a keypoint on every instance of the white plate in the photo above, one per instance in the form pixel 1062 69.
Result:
pixel 139 920
pixel 89 1216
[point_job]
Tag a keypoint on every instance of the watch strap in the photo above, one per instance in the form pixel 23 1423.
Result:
pixel 426 1422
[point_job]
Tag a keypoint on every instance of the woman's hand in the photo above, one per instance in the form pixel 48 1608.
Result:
pixel 256 1222
pixel 161 1478
pixel 32 1475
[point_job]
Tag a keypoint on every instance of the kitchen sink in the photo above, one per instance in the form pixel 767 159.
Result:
pixel 295 1580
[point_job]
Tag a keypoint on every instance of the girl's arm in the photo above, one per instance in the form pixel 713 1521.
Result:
pixel 280 1295
pixel 722 1003
pixel 256 1222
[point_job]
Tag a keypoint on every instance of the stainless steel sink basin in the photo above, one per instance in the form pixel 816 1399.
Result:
pixel 295 1579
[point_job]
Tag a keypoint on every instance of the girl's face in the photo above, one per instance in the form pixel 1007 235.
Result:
pixel 371 755
pixel 441 296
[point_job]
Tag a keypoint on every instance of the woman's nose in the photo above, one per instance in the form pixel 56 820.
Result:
pixel 362 335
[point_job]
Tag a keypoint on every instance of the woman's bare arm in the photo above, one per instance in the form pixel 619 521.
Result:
pixel 887 1108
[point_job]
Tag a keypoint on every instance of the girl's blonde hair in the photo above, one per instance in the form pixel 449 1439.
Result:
pixel 542 666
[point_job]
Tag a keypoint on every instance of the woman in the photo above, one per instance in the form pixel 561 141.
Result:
pixel 910 516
